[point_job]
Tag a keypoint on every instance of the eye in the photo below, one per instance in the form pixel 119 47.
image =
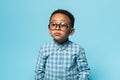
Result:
pixel 63 25
pixel 53 24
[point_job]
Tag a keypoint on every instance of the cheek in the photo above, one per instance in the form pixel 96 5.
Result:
pixel 66 34
pixel 50 32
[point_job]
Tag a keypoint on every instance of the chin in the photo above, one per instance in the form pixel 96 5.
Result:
pixel 57 39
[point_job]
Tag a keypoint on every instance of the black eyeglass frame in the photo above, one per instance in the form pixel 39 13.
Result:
pixel 62 26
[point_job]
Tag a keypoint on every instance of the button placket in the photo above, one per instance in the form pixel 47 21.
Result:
pixel 60 55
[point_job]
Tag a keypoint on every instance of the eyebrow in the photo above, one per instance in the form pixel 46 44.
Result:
pixel 60 20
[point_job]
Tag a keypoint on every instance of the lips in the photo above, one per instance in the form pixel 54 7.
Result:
pixel 57 34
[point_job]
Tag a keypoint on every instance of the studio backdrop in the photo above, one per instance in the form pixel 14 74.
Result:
pixel 24 29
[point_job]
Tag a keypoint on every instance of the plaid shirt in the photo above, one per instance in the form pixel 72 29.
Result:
pixel 65 61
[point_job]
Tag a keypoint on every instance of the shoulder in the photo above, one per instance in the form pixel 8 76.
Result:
pixel 76 48
pixel 75 45
pixel 46 46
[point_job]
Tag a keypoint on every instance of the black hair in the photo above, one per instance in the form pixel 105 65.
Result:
pixel 65 12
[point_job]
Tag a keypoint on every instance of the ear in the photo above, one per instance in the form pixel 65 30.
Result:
pixel 72 30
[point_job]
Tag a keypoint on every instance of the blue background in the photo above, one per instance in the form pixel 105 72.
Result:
pixel 23 30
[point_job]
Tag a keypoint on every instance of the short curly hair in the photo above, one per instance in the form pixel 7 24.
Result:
pixel 65 12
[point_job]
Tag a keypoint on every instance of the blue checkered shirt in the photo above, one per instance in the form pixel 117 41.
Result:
pixel 65 61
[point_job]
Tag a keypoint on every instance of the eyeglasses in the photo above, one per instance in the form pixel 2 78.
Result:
pixel 62 26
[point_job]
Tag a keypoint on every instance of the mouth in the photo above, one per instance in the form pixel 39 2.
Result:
pixel 57 34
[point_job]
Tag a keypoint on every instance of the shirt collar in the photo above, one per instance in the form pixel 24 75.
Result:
pixel 62 46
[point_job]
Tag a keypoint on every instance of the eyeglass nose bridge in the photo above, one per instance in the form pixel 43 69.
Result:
pixel 57 26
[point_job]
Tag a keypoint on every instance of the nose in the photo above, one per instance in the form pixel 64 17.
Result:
pixel 57 26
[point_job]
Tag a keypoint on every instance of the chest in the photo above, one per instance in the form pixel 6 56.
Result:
pixel 58 58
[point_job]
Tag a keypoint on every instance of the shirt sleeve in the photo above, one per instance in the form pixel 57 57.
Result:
pixel 40 66
pixel 82 65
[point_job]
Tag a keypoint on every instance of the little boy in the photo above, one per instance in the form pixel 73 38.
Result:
pixel 61 59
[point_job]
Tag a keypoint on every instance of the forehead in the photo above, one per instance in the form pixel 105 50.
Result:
pixel 60 17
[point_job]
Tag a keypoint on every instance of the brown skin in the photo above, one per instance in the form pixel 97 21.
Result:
pixel 59 35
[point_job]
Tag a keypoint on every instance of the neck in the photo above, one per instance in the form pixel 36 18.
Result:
pixel 61 42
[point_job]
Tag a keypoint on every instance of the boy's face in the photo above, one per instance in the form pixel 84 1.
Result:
pixel 60 28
